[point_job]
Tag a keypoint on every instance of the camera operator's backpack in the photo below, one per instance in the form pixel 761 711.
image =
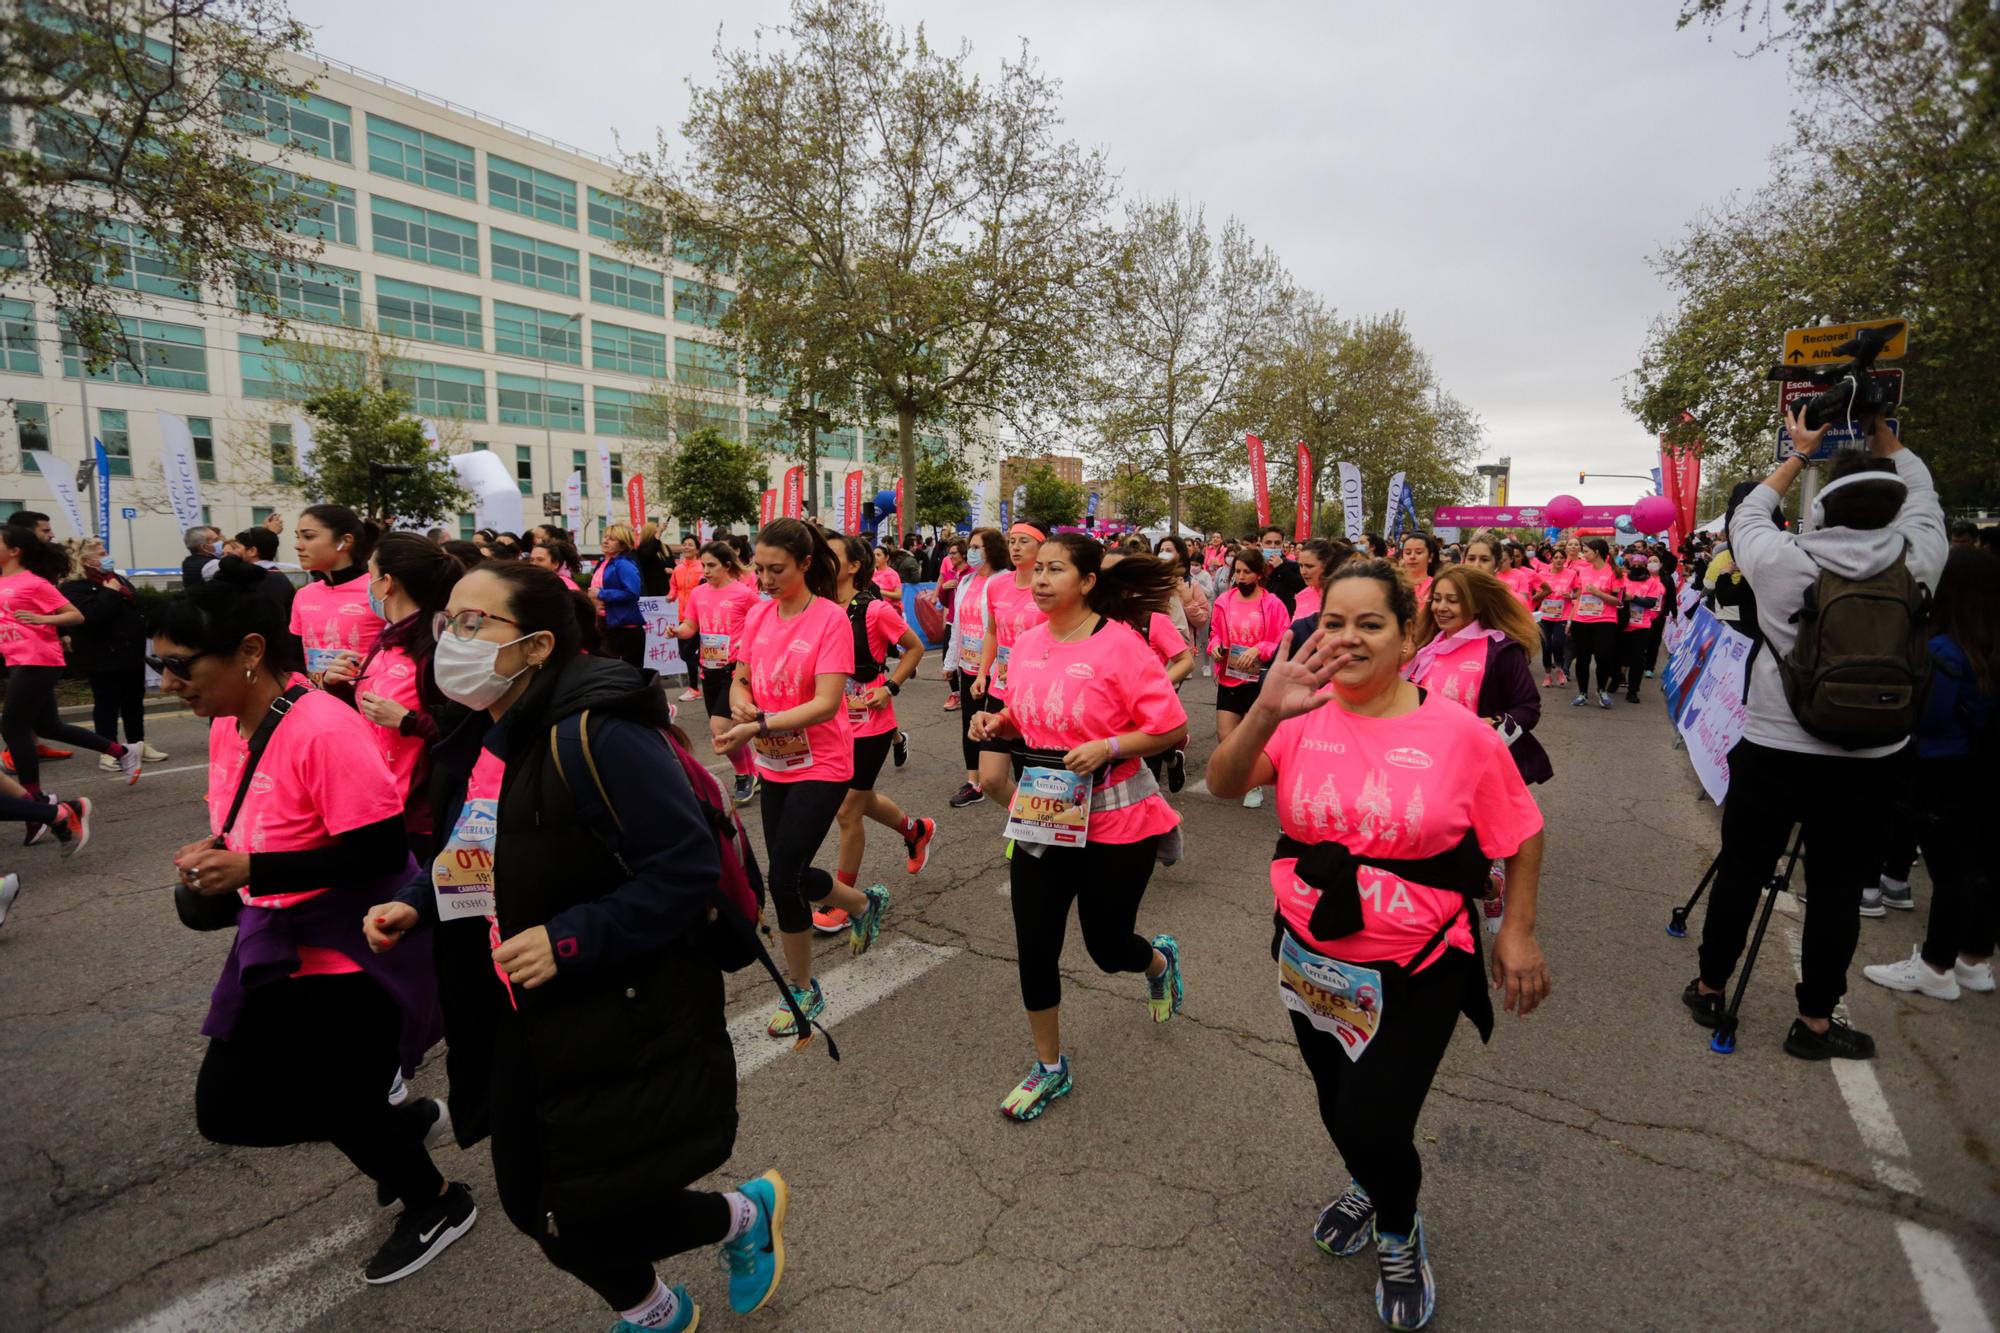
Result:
pixel 1860 672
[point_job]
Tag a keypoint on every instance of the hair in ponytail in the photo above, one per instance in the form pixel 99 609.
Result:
pixel 1129 590
pixel 807 545
pixel 45 559
pixel 217 616
pixel 344 522
pixel 426 572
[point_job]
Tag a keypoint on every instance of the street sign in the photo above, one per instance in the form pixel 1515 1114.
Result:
pixel 1840 434
pixel 128 513
pixel 1814 347
pixel 551 504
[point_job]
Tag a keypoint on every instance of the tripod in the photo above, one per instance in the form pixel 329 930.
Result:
pixel 1723 1042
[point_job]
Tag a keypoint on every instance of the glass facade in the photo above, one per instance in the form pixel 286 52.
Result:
pixel 302 290
pixel 615 283
pixel 700 303
pixel 530 191
pixel 532 263
pixel 114 432
pixel 325 211
pixel 616 411
pixel 203 432
pixel 161 356
pixel 524 468
pixel 577 465
pixel 19 350
pixel 543 334
pixel 616 218
pixel 140 264
pixel 269 369
pixel 440 391
pixel 634 351
pixel 320 127
pixel 429 314
pixel 523 403
pixel 421 158
pixel 703 365
pixel 426 237
pixel 283 456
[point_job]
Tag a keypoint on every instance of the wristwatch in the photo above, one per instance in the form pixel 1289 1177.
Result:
pixel 892 687
pixel 763 723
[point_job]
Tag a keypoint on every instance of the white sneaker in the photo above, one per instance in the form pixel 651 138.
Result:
pixel 1971 976
pixel 128 764
pixel 106 764
pixel 1253 798
pixel 398 1090
pixel 1913 973
pixel 1871 902
pixel 151 755
pixel 10 889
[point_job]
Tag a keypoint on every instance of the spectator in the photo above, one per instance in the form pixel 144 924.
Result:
pixel 109 647
pixel 1964 534
pixel 619 593
pixel 29 518
pixel 203 545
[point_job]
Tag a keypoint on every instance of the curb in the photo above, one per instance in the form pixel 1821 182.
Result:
pixel 159 706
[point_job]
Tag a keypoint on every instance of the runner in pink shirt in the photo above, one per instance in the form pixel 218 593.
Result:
pixel 1643 594
pixel 1390 801
pixel 1552 611
pixel 793 658
pixel 986 558
pixel 1177 656
pixel 1010 612
pixel 712 615
pixel 32 612
pixel 1243 633
pixel 409 581
pixel 1088 700
pixel 1594 591
pixel 330 614
pixel 885 577
pixel 1419 552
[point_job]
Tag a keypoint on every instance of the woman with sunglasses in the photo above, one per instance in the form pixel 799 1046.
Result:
pixel 330 614
pixel 307 1026
pixel 613 1088
pixel 1010 611
pixel 712 615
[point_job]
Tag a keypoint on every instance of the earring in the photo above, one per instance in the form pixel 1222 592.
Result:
pixel 249 674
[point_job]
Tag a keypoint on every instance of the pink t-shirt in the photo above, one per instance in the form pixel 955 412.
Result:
pixel 1590 592
pixel 1014 613
pixel 1239 623
pixel 970 614
pixel 1522 582
pixel 889 581
pixel 30 645
pixel 1163 638
pixel 717 615
pixel 1643 618
pixel 1423 588
pixel 1554 604
pixel 1402 787
pixel 786 657
pixel 885 626
pixel 331 619
pixel 393 674
pixel 1105 684
pixel 1306 605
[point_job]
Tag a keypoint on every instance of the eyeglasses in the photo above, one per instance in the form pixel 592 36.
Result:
pixel 182 667
pixel 466 624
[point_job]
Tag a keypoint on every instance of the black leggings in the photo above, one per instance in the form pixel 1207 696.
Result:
pixel 1555 642
pixel 612 1255
pixel 1598 640
pixel 26 810
pixel 1634 641
pixel 310 1061
pixel 1965 912
pixel 1105 880
pixel 1370 1105
pixel 30 711
pixel 116 695
pixel 797 816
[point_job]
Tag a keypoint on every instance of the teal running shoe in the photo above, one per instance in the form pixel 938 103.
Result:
pixel 1165 992
pixel 687 1318
pixel 869 923
pixel 1405 1293
pixel 1347 1224
pixel 1032 1095
pixel 812 1004
pixel 756 1259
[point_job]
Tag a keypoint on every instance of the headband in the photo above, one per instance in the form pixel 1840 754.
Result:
pixel 1030 529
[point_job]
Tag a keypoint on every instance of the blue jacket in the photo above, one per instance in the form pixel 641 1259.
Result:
pixel 1942 733
pixel 620 593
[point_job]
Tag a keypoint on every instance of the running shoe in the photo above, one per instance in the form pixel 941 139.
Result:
pixel 72 827
pixel 869 924
pixel 421 1235
pixel 1896 893
pixel 399 1091
pixel 1706 1009
pixel 1562 677
pixel 151 755
pixel 1603 699
pixel 1253 798
pixel 1032 1095
pixel 10 889
pixel 830 920
pixel 969 794
pixel 1914 974
pixel 1547 679
pixel 1871 902
pixel 106 764
pixel 919 847
pixel 951 703
pixel 1347 1224
pixel 1631 696
pixel 34 831
pixel 687 1317
pixel 901 748
pixel 1576 702
pixel 690 694
pixel 438 1135
pixel 1649 673
pixel 746 788
pixel 1838 1042
pixel 1176 767
pixel 129 763
pixel 1405 1293
pixel 811 1003
pixel 756 1259
pixel 1971 976
pixel 1165 992
pixel 47 751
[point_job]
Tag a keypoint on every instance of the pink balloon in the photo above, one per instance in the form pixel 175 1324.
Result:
pixel 1562 512
pixel 1653 514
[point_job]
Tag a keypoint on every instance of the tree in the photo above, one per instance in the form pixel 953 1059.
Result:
pixel 1208 508
pixel 131 162
pixel 710 476
pixel 1140 496
pixel 923 231
pixel 370 454
pixel 1188 315
pixel 1051 499
pixel 942 499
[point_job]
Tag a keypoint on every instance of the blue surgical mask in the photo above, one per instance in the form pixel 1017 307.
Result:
pixel 107 563
pixel 976 558
pixel 1273 554
pixel 375 603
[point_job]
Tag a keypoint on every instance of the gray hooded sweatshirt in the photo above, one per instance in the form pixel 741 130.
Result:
pixel 1780 567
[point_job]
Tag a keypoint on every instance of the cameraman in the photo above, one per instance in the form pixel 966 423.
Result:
pixel 1877 505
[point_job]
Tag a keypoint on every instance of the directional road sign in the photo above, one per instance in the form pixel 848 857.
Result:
pixel 1814 347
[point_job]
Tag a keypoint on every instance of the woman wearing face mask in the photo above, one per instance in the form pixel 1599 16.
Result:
pixel 560 559
pixel 1243 636
pixel 1643 596
pixel 613 1086
pixel 787 705
pixel 1595 594
pixel 330 613
pixel 1661 564
pixel 1419 552
pixel 986 557
pixel 1391 801
pixel 306 1026
pixel 1552 611
pixel 1089 697
pixel 109 647
pixel 618 593
pixel 1011 611
pixel 712 617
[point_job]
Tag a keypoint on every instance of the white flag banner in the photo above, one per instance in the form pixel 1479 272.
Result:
pixel 704 531
pixel 1395 498
pixel 978 505
pixel 62 485
pixel 604 482
pixel 1350 501
pixel 302 440
pixel 430 430
pixel 840 510
pixel 496 498
pixel 573 505
pixel 177 465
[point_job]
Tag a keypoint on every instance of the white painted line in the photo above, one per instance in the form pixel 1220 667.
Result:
pixel 870 979
pixel 1947 1288
pixel 1870 1109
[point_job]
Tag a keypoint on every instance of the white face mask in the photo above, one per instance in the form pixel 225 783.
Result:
pixel 464 670
pixel 1652 566
pixel 976 558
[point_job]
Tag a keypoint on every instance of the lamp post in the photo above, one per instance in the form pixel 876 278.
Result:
pixel 548 429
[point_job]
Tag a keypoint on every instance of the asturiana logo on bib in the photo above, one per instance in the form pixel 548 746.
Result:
pixel 1405 757
pixel 1050 785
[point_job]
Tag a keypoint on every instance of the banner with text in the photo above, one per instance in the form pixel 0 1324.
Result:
pixel 663 646
pixel 177 465
pixel 1303 527
pixel 635 500
pixel 852 508
pixel 1390 525
pixel 1259 483
pixel 902 516
pixel 794 500
pixel 1703 689
pixel 767 509
pixel 103 493
pixel 62 486
pixel 1519 516
pixel 1350 502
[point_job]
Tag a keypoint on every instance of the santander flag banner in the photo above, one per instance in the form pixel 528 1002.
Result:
pixel 792 497
pixel 604 477
pixel 1350 501
pixel 635 500
pixel 1304 526
pixel 1680 482
pixel 852 511
pixel 573 504
pixel 1258 481
pixel 902 515
pixel 767 509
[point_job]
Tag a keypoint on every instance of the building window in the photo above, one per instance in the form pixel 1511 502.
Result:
pixel 324 211
pixel 521 403
pixel 542 334
pixel 138 264
pixel 703 365
pixel 524 468
pixel 634 288
pixel 838 443
pixel 284 454
pixel 530 191
pixel 269 369
pixel 826 492
pixel 19 351
pixel 299 289
pixel 426 237
pixel 13 249
pixel 700 303
pixel 634 351
pixel 323 128
pixel 617 218
pixel 163 356
pixel 698 247
pixel 203 431
pixel 31 422
pixel 617 470
pixel 532 263
pixel 440 391
pixel 428 313
pixel 114 432
pixel 577 465
pixel 260 514
pixel 465 528
pixel 429 160
pixel 617 411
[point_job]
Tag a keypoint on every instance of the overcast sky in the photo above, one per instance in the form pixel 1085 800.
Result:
pixel 1500 172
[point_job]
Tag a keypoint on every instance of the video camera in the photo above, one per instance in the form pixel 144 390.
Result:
pixel 1850 389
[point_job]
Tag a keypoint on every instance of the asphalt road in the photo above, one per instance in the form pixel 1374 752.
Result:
pixel 1595 1166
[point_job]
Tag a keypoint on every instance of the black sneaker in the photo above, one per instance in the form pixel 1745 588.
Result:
pixel 1838 1042
pixel 901 748
pixel 1632 696
pixel 1707 1009
pixel 966 795
pixel 1346 1225
pixel 1176 769
pixel 421 1235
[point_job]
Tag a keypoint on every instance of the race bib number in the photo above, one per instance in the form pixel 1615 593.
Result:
pixel 714 651
pixel 1552 608
pixel 783 751
pixel 1000 666
pixel 1335 997
pixel 1244 662
pixel 319 659
pixel 1052 806
pixel 857 700
pixel 462 874
pixel 1590 605
pixel 969 646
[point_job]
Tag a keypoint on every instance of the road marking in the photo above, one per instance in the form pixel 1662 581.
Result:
pixel 1947 1288
pixel 270 1297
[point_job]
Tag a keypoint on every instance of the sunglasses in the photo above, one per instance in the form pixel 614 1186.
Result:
pixel 181 667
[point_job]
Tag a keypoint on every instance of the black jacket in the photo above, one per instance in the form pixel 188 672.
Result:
pixel 112 636
pixel 1285 583
pixel 192 566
